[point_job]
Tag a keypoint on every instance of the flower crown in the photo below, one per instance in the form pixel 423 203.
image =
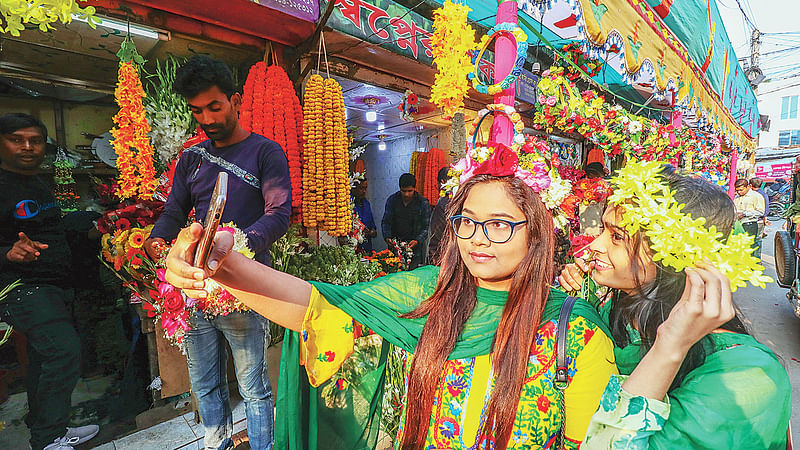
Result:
pixel 528 164
pixel 676 239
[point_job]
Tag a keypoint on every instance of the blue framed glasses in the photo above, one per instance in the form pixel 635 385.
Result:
pixel 498 231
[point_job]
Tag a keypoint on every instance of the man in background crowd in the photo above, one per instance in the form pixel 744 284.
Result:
pixel 749 210
pixel 34 250
pixel 364 211
pixel 406 218
pixel 259 203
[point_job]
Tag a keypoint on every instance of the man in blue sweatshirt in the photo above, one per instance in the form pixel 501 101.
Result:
pixel 259 202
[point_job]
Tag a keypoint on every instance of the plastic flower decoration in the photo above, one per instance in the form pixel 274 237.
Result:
pixel 451 41
pixel 43 13
pixel 219 301
pixel 676 239
pixel 131 140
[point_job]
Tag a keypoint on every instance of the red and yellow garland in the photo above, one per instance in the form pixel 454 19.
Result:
pixel 428 165
pixel 137 176
pixel 326 185
pixel 270 107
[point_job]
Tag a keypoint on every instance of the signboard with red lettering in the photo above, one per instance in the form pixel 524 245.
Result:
pixel 383 22
pixel 776 168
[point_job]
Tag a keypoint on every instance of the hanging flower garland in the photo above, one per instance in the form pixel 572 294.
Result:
pixel 412 163
pixel 137 177
pixel 65 194
pixel 451 41
pixel 270 107
pixel 431 163
pixel 326 187
pixel 611 128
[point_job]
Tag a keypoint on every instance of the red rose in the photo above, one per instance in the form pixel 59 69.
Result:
pixel 503 162
pixel 174 302
pixel 413 99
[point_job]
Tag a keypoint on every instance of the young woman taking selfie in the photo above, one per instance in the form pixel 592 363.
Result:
pixel 481 329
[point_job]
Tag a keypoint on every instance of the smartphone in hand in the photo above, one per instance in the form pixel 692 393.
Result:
pixel 213 217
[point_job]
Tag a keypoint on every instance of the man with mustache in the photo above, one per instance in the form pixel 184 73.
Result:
pixel 259 203
pixel 34 250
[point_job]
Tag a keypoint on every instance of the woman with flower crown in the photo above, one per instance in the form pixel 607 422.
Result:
pixel 691 375
pixel 481 329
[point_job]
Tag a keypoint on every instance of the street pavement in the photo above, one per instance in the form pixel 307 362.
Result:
pixel 771 319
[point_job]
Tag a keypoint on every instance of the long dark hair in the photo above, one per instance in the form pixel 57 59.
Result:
pixel 452 303
pixel 649 304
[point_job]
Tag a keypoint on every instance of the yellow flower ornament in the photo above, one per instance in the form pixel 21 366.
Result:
pixel 676 239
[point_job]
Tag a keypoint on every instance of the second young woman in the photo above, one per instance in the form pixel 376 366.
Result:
pixel 691 375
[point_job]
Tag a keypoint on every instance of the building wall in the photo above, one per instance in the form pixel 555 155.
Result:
pixel 384 169
pixel 770 99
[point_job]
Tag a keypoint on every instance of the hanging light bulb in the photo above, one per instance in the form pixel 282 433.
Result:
pixel 381 127
pixel 371 114
pixel 382 144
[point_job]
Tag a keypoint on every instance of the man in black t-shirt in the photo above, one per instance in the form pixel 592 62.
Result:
pixel 34 250
pixel 406 218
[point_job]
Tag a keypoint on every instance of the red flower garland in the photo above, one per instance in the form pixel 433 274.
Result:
pixel 427 171
pixel 270 107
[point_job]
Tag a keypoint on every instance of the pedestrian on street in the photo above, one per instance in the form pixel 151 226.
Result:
pixel 259 203
pixel 34 249
pixel 749 210
pixel 406 218
pixel 692 376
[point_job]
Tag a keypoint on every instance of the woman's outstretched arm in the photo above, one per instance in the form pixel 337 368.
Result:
pixel 278 296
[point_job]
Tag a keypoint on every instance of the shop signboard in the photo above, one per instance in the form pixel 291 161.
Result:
pixel 307 10
pixel 776 168
pixel 527 87
pixel 383 22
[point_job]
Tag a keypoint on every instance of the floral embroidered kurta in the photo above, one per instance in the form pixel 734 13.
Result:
pixel 466 383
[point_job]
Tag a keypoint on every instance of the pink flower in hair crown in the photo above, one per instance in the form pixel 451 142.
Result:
pixel 537 178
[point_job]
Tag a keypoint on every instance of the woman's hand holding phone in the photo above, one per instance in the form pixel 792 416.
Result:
pixel 181 272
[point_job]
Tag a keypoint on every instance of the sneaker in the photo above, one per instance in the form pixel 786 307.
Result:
pixel 63 443
pixel 83 433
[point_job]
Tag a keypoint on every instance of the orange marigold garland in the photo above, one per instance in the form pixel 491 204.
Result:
pixel 270 107
pixel 433 163
pixel 326 187
pixel 137 177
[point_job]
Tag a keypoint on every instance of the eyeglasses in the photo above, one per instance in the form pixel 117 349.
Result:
pixel 498 231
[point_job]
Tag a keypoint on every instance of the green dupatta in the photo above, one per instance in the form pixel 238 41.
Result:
pixel 303 421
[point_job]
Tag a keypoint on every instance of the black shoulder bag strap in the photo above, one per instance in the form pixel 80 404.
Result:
pixel 561 379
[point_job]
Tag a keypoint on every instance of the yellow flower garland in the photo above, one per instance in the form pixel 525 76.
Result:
pixel 676 239
pixel 326 183
pixel 451 40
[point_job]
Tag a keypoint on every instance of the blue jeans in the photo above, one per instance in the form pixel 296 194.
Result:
pixel 248 335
